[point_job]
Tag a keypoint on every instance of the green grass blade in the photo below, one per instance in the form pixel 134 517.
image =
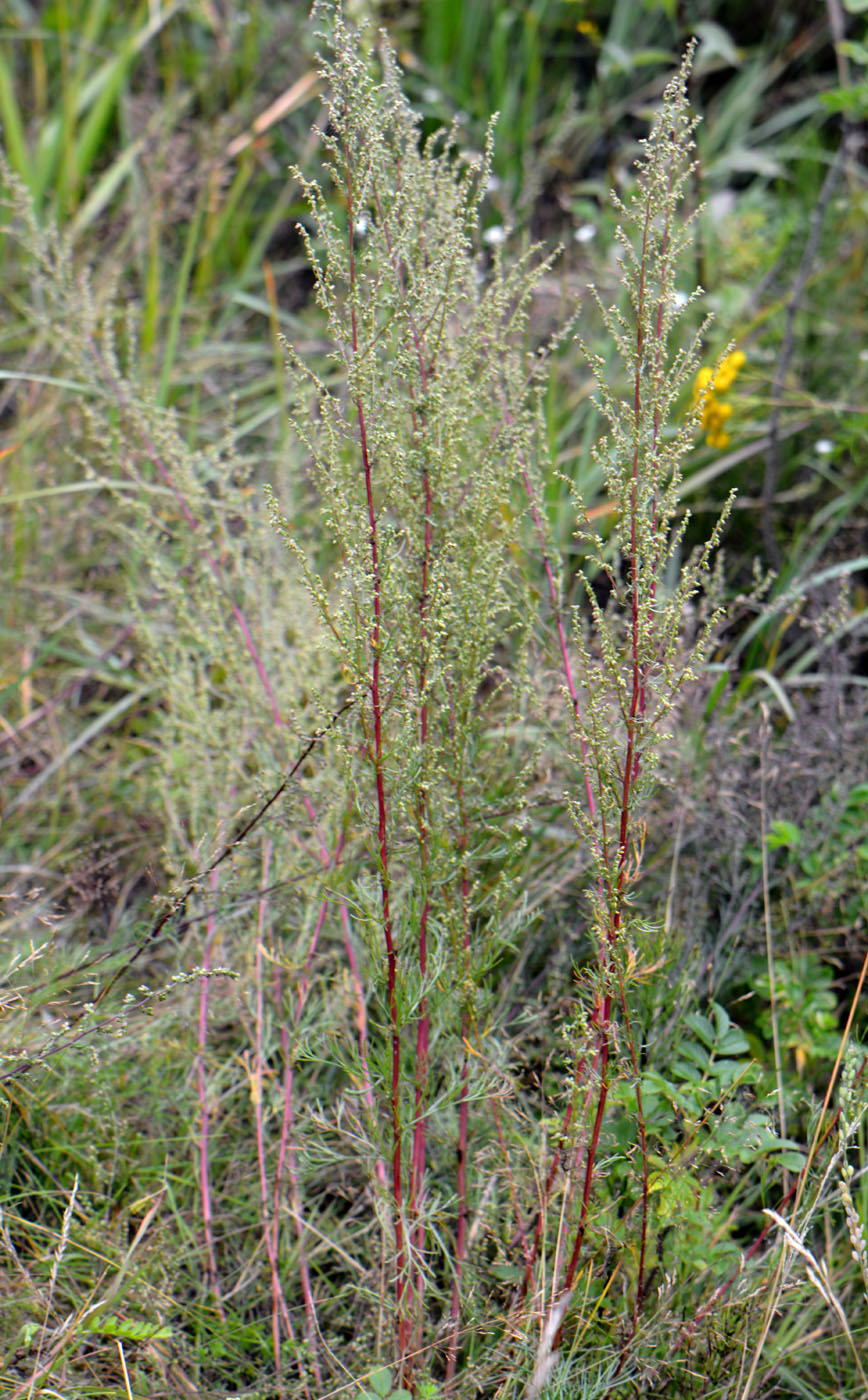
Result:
pixel 106 187
pixel 14 140
pixel 178 303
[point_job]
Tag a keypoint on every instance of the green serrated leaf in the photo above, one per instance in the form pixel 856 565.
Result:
pixel 728 1071
pixel 735 1042
pixel 381 1382
pixel 793 1161
pixel 701 1026
pixel 721 1018
pixel 697 1054
pixel 127 1330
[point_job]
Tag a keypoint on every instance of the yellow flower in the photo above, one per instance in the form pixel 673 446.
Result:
pixel 708 386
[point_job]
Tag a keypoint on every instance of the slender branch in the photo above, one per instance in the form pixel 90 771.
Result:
pixel 463 1105
pixel 376 642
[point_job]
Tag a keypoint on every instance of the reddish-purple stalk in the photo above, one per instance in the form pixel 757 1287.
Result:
pixel 202 1086
pixel 375 640
pixel 640 1112
pixel 417 1166
pixel 579 1076
pixel 463 1106
pixel 639 692
pixel 592 811
pixel 270 1211
pixel 423 1026
pixel 592 808
pixel 602 1010
pixel 658 370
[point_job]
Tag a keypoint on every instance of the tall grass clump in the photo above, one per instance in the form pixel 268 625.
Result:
pixel 366 718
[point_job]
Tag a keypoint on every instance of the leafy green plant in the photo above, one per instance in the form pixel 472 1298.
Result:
pixel 707 1069
pixel 805 1007
pixel 379 1387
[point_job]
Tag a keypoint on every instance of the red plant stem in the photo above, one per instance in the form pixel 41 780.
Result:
pixel 202 1085
pixel 602 1011
pixel 589 798
pixel 463 1107
pixel 532 1256
pixel 640 1112
pixel 591 1154
pixel 638 703
pixel 631 756
pixel 375 635
pixel 423 1027
pixel 417 1169
pixel 286 1146
pixel 658 373
pixel 270 1212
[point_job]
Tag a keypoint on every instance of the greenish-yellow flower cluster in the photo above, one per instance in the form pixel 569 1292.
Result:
pixel 709 386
